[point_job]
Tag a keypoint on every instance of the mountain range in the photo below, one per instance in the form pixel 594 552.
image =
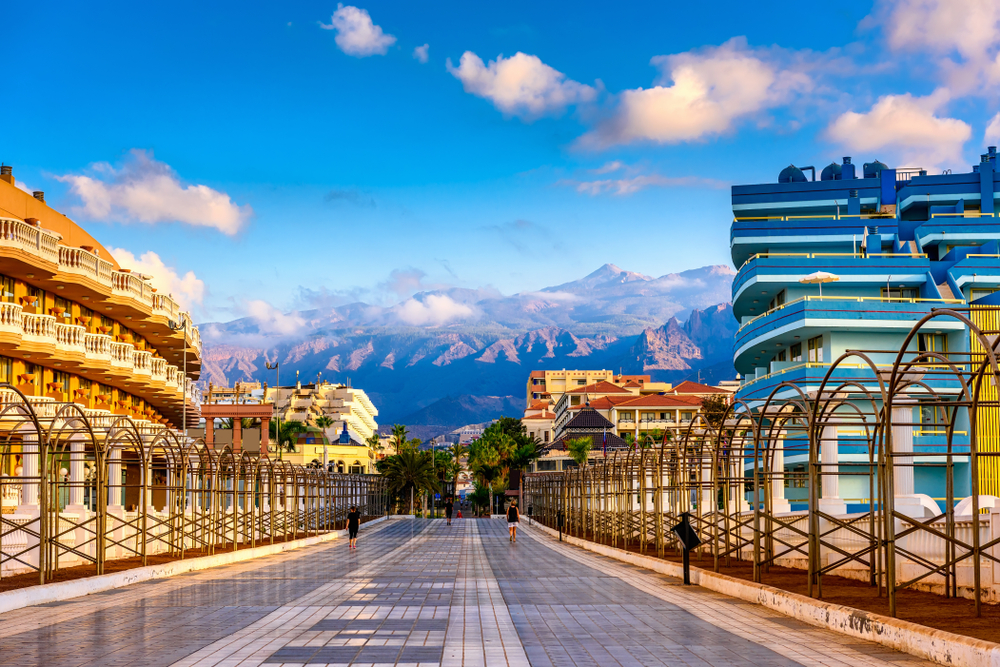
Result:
pixel 443 358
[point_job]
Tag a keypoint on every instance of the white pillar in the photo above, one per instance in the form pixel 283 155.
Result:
pixel 115 478
pixel 30 473
pixel 830 501
pixel 905 500
pixel 902 441
pixel 76 477
pixel 707 502
pixel 778 502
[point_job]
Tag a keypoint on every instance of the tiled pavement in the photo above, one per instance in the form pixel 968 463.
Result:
pixel 421 594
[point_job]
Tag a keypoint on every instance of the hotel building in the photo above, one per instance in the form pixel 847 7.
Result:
pixel 75 326
pixel 900 243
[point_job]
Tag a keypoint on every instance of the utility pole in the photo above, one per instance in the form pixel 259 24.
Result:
pixel 179 326
pixel 277 395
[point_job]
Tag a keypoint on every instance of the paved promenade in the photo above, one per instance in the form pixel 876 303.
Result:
pixel 421 594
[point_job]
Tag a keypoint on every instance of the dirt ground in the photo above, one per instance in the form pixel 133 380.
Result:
pixel 956 615
pixel 118 565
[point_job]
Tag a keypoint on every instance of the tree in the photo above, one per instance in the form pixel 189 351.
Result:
pixel 288 431
pixel 324 422
pixel 458 451
pixel 579 449
pixel 714 408
pixel 246 422
pixel 480 496
pixel 409 470
pixel 374 442
pixel 399 437
pixel 523 457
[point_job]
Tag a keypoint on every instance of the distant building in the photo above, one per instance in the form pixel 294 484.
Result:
pixel 348 407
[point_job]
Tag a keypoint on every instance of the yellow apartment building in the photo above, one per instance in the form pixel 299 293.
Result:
pixel 76 327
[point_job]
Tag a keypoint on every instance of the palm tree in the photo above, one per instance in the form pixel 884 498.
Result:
pixel 480 495
pixel 374 442
pixel 399 437
pixel 579 449
pixel 458 451
pixel 288 431
pixel 410 470
pixel 523 457
pixel 324 423
pixel 246 422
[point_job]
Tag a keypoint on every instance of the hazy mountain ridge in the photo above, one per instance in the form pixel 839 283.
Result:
pixel 611 319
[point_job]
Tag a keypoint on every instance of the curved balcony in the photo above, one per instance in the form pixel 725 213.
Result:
pixel 10 318
pixel 39 247
pixel 122 355
pixel 98 347
pixel 142 363
pixel 71 338
pixel 38 328
pixel 779 269
pixel 812 315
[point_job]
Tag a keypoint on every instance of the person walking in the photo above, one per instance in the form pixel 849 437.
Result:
pixel 448 507
pixel 353 524
pixel 513 516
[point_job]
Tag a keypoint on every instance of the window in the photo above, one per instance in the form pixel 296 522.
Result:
pixel 663 417
pixel 899 293
pixel 933 343
pixel 574 400
pixel 816 349
pixel 535 395
pixel 544 466
pixel 979 293
pixel 782 354
pixel 777 301
pixel 687 416
pixel 648 416
pixel 62 309
pixel 6 289
pixel 6 369
pixel 933 420
pixel 546 438
pixel 795 352
pixel 625 417
pixel 581 383
pixel 35 299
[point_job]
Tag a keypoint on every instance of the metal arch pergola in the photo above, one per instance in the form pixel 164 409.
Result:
pixel 730 475
pixel 85 490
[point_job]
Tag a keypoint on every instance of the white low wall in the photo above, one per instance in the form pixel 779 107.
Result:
pixel 65 590
pixel 942 647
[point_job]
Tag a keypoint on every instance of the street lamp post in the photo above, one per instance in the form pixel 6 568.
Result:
pixel 277 394
pixel 180 327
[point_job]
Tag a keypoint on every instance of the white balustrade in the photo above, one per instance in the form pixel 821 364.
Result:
pixel 71 338
pixel 38 328
pixel 10 318
pixel 98 346
pixel 84 263
pixel 141 360
pixel 122 355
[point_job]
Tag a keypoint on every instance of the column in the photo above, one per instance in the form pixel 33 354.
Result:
pixel 778 502
pixel 30 476
pixel 830 501
pixel 115 478
pixel 707 499
pixel 237 434
pixel 76 478
pixel 265 434
pixel 905 500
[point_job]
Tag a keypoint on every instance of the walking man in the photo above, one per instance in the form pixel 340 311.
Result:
pixel 353 524
pixel 448 507
pixel 513 516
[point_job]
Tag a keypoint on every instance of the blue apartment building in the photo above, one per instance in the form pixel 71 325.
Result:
pixel 901 242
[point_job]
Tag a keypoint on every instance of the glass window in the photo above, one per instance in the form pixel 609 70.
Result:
pixel 6 369
pixel 933 343
pixel 546 438
pixel 900 293
pixel 574 400
pixel 816 349
pixel 62 308
pixel 6 289
pixel 782 354
pixel 581 383
pixel 795 352
pixel 777 301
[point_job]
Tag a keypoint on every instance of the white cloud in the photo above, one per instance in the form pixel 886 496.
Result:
pixel 188 290
pixel 907 126
pixel 356 34
pixel 633 184
pixel 992 130
pixel 963 34
pixel 23 186
pixel 270 320
pixel 432 310
pixel 609 167
pixel 699 94
pixel 421 53
pixel 521 85
pixel 149 191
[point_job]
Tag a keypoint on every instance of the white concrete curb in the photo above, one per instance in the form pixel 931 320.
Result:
pixel 942 647
pixel 65 590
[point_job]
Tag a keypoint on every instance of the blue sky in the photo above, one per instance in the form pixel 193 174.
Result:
pixel 268 154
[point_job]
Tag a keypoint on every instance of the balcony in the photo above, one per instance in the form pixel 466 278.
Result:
pixel 749 235
pixel 39 329
pixel 122 355
pixel 784 268
pixel 71 338
pixel 10 318
pixel 141 363
pixel 98 347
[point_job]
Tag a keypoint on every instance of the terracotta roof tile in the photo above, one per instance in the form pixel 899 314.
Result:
pixel 544 415
pixel 688 387
pixel 656 400
pixel 602 387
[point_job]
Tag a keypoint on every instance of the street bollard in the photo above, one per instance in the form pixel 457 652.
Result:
pixel 559 521
pixel 689 540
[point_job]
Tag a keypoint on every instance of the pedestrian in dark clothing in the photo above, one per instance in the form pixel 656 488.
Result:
pixel 513 516
pixel 353 524
pixel 448 507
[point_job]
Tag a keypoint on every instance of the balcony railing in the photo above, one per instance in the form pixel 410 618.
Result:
pixel 71 338
pixel 38 328
pixel 141 362
pixel 98 346
pixel 122 355
pixel 10 318
pixel 158 369
pixel 30 239
pixel 84 263
pixel 129 284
